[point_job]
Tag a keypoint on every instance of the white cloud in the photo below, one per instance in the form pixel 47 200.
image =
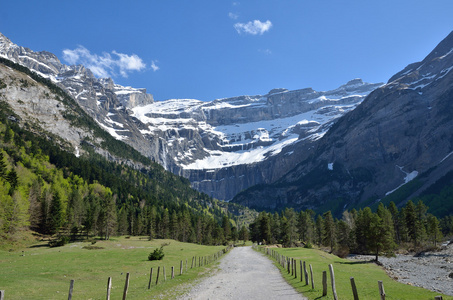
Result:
pixel 265 51
pixel 105 65
pixel 233 16
pixel 253 27
pixel 154 66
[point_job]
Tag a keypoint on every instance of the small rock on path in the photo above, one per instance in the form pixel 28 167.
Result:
pixel 244 274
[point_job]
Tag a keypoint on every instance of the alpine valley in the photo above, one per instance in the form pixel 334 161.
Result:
pixel 336 149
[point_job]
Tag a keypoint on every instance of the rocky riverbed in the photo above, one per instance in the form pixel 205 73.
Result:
pixel 429 270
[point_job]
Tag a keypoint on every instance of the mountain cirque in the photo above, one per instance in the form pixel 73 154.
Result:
pixel 222 146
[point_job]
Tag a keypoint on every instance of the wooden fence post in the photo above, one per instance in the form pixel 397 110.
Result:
pixel 172 272
pixel 381 289
pixel 165 274
pixel 332 280
pixel 71 287
pixel 193 258
pixel 157 277
pixel 295 268
pixel 126 286
pixel 109 287
pixel 2 294
pixel 354 289
pixel 311 276
pixel 292 266
pixel 150 278
pixel 305 274
pixel 186 264
pixel 180 269
pixel 301 274
pixel 324 283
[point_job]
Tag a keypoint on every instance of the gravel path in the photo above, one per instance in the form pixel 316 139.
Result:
pixel 430 270
pixel 244 274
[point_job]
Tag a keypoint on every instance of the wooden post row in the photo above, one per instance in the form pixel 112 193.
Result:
pixel 172 272
pixel 2 294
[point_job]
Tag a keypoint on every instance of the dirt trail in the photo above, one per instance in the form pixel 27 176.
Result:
pixel 244 274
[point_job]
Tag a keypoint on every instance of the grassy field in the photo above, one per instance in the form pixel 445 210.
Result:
pixel 41 272
pixel 366 276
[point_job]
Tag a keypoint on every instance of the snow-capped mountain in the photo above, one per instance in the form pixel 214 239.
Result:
pixel 401 133
pixel 222 146
pixel 227 145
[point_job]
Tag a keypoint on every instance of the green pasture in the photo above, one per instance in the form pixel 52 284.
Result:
pixel 366 276
pixel 41 272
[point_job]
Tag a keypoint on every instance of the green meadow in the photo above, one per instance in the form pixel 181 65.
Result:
pixel 366 276
pixel 40 272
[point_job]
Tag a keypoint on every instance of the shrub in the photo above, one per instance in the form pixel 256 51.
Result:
pixel 157 254
pixel 61 241
pixel 308 245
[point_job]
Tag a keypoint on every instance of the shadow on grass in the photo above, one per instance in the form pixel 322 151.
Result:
pixel 46 245
pixel 359 262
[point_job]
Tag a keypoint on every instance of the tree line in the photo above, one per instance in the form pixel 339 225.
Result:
pixel 357 231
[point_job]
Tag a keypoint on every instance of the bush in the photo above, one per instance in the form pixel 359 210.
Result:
pixel 157 254
pixel 308 245
pixel 61 241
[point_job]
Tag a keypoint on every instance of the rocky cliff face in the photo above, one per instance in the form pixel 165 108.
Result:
pixel 222 146
pixel 401 131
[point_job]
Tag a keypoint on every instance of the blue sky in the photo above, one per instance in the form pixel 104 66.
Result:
pixel 215 49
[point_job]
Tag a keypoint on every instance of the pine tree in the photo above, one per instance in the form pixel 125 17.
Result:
pixel 226 225
pixel 3 171
pixel 56 215
pixel 13 179
pixel 318 230
pixel 414 225
pixel 328 230
pixel 433 230
pixel 289 223
pixel 244 234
